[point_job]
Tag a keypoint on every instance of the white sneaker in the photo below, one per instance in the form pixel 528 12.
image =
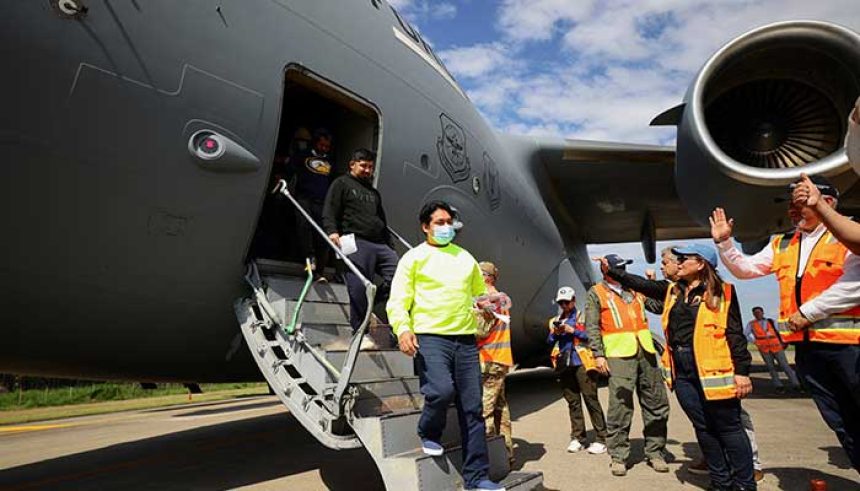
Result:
pixel 596 448
pixel 367 343
pixel 574 446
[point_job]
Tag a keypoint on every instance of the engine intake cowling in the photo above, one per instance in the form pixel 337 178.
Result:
pixel 769 105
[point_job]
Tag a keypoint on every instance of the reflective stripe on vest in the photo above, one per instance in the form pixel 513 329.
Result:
pixel 765 339
pixel 711 350
pixel 496 347
pixel 830 330
pixel 623 326
pixel 823 268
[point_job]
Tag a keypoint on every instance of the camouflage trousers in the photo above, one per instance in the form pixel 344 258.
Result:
pixel 497 415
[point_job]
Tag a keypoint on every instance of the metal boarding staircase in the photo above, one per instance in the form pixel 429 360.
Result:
pixel 299 334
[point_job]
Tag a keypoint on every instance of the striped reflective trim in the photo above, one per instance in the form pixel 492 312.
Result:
pixel 717 381
pixel 844 323
pixel 492 346
pixel 616 316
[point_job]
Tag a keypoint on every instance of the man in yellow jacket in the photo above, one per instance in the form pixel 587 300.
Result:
pixel 431 311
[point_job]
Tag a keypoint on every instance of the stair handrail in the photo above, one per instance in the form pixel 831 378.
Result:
pixel 399 238
pixel 370 292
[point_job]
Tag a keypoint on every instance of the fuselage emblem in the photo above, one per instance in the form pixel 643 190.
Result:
pixel 452 150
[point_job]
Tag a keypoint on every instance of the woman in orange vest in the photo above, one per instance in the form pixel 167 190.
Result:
pixel 705 360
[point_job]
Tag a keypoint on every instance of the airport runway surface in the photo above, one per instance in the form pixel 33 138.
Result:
pixel 254 443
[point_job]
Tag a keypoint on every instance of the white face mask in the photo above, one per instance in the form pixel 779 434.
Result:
pixel 443 234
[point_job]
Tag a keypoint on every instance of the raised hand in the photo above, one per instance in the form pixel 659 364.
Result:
pixel 721 228
pixel 806 193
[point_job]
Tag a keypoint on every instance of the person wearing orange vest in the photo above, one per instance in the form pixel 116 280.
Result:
pixel 762 332
pixel 496 360
pixel 624 350
pixel 574 365
pixel 819 311
pixel 706 360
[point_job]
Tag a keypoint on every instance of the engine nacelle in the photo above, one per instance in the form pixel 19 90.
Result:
pixel 769 105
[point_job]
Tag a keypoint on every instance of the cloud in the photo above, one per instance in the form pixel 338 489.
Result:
pixel 416 10
pixel 603 70
pixel 476 60
pixel 539 20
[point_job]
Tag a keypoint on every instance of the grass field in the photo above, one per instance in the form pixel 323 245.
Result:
pixel 46 404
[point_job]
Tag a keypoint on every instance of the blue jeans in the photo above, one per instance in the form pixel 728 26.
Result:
pixel 449 371
pixel 721 435
pixel 370 258
pixel 831 372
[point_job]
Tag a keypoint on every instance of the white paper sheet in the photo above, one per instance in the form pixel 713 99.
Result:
pixel 347 244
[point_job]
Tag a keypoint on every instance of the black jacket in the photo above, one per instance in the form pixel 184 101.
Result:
pixel 353 206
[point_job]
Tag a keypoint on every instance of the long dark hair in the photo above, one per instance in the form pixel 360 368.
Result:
pixel 712 282
pixel 713 286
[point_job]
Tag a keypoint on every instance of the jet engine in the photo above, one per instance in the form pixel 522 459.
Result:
pixel 769 105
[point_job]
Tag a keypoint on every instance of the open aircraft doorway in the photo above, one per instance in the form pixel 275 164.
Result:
pixel 311 106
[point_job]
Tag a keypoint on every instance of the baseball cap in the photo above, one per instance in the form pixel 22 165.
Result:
pixel 616 261
pixel 705 252
pixel 565 293
pixel 489 269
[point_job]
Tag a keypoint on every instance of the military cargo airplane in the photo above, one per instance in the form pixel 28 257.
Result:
pixel 138 138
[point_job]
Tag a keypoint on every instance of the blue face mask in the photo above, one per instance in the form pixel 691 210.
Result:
pixel 443 234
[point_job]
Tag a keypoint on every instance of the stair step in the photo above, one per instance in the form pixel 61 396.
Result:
pixel 334 336
pixel 291 269
pixel 444 472
pixel 317 313
pixel 388 387
pixel 400 432
pixel 375 364
pixel 382 406
pixel 281 287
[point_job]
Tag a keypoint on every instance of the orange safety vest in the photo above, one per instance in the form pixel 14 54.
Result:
pixel 581 348
pixel 623 326
pixel 710 348
pixel 766 338
pixel 496 347
pixel 823 269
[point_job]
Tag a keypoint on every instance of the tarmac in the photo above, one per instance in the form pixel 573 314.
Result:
pixel 253 443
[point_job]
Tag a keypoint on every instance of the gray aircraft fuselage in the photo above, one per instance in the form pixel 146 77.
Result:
pixel 123 253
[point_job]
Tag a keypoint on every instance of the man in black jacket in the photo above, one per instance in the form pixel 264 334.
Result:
pixel 354 206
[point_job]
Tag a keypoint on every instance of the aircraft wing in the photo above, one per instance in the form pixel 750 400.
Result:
pixel 602 192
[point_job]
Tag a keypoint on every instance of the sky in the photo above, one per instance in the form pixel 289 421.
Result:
pixel 598 69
